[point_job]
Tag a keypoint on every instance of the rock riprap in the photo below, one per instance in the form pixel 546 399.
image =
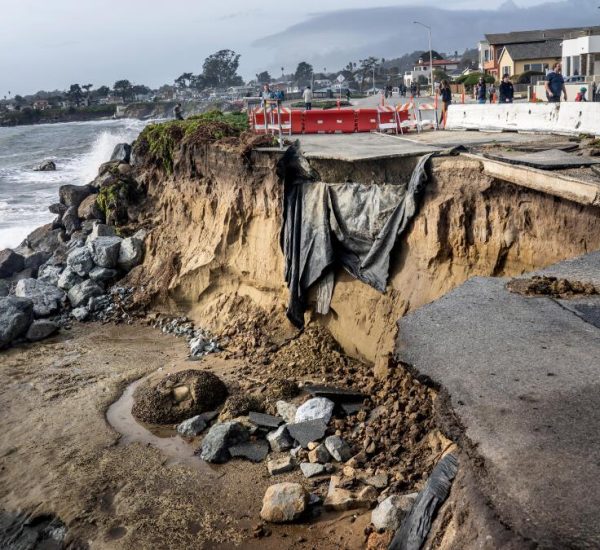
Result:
pixel 178 396
pixel 16 314
pixel 284 502
pixel 46 298
pixel 215 445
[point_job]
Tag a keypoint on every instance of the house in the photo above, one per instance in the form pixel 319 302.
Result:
pixel 41 104
pixel 581 53
pixel 516 59
pixel 524 44
pixel 422 68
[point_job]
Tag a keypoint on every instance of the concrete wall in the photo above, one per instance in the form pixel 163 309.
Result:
pixel 568 118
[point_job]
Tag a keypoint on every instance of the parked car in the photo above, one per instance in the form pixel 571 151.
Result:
pixel 575 79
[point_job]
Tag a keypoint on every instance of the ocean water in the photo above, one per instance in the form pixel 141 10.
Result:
pixel 77 148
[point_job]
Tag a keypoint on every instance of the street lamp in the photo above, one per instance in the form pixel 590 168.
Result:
pixel 430 55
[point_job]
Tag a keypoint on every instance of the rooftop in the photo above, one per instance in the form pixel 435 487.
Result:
pixel 540 35
pixel 535 50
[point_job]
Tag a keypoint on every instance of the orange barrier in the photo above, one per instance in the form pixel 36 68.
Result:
pixel 366 120
pixel 321 121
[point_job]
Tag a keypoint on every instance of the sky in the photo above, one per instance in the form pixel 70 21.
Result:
pixel 49 44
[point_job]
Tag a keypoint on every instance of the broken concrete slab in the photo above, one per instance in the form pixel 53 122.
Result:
pixel 551 159
pixel 281 465
pixel 340 499
pixel 351 408
pixel 337 395
pixel 306 432
pixel 255 451
pixel 310 469
pixel 265 420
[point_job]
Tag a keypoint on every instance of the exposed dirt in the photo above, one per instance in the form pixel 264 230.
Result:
pixel 551 286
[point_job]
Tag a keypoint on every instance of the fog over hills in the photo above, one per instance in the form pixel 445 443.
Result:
pixel 332 39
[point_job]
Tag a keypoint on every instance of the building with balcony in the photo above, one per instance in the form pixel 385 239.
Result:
pixel 423 69
pixel 581 54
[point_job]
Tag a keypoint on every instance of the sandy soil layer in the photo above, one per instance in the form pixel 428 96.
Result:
pixel 59 456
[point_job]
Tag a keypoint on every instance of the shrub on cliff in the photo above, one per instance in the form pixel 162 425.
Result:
pixel 158 142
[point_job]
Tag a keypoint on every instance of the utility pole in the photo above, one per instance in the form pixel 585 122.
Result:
pixel 430 56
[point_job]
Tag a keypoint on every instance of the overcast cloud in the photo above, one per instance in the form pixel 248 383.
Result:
pixel 48 44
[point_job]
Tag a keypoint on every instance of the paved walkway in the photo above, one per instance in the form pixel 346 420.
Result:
pixel 522 376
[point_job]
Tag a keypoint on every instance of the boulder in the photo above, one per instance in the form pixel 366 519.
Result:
pixel 45 238
pixel 105 179
pixel 68 279
pixel 310 469
pixel 87 226
pixel 89 209
pixel 105 251
pixel 280 440
pixel 315 408
pixel 10 263
pixel 80 294
pixel 338 448
pixel 50 274
pixel 284 502
pixel 16 314
pixel 101 230
pixel 80 261
pixel 46 298
pixel 70 220
pixel 319 454
pixel 103 274
pixel 36 260
pixel 121 152
pixel 4 288
pixel 340 499
pixel 216 443
pixel 73 195
pixel 131 253
pixel 255 451
pixel 192 426
pixel 57 208
pixel 80 313
pixel 280 465
pixel 41 329
pixel 307 432
pixel 46 166
pixel 286 410
pixel 178 396
pixel 389 513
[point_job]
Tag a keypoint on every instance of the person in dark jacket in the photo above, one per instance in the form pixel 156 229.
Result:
pixel 481 91
pixel 177 112
pixel 555 84
pixel 446 97
pixel 506 89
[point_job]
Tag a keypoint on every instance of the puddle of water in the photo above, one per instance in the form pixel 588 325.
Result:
pixel 165 439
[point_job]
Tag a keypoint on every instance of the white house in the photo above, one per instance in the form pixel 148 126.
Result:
pixel 581 53
pixel 423 68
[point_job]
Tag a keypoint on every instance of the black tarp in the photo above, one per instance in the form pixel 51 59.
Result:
pixel 354 225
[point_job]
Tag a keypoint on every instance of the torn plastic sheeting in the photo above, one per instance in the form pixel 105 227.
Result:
pixel 416 525
pixel 353 224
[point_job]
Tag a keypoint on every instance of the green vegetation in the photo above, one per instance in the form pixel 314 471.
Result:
pixel 473 78
pixel 161 140
pixel 111 196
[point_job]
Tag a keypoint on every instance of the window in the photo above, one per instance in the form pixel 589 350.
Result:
pixel 506 70
pixel 537 67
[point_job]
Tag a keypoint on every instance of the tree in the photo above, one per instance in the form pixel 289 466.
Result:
pixel 123 88
pixel 220 69
pixel 87 88
pixel 303 74
pixel 439 75
pixel 263 78
pixel 103 91
pixel 75 94
pixel 366 67
pixel 140 89
pixel 198 82
pixel 184 80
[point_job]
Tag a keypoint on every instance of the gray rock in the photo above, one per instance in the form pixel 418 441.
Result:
pixel 215 446
pixel 306 432
pixel 265 420
pixel 101 230
pixel 80 294
pixel 46 298
pixel 105 251
pixel 141 234
pixel 73 195
pixel 389 513
pixel 57 208
pixel 103 274
pixel 4 288
pixel 284 502
pixel 87 226
pixel 255 451
pixel 121 152
pixel 40 329
pixel 10 263
pixel 131 253
pixel 315 408
pixel 80 261
pixel 16 314
pixel 80 313
pixel 319 455
pixel 379 481
pixel 46 166
pixel 89 209
pixel 45 238
pixel 70 220
pixel 286 410
pixel 192 426
pixel 50 274
pixel 36 260
pixel 310 469
pixel 98 303
pixel 68 279
pixel 280 440
pixel 338 448
pixel 280 465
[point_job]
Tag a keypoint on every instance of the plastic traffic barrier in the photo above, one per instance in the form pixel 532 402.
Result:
pixel 321 121
pixel 366 120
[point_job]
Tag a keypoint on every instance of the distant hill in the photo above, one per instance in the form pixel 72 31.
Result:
pixel 333 39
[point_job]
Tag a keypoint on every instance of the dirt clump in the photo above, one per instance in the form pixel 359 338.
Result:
pixel 178 396
pixel 241 405
pixel 552 287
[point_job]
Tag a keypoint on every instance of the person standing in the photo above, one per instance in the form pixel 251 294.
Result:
pixel 481 91
pixel 177 112
pixel 555 84
pixel 506 89
pixel 492 93
pixel 446 96
pixel 266 93
pixel 308 98
pixel 581 95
